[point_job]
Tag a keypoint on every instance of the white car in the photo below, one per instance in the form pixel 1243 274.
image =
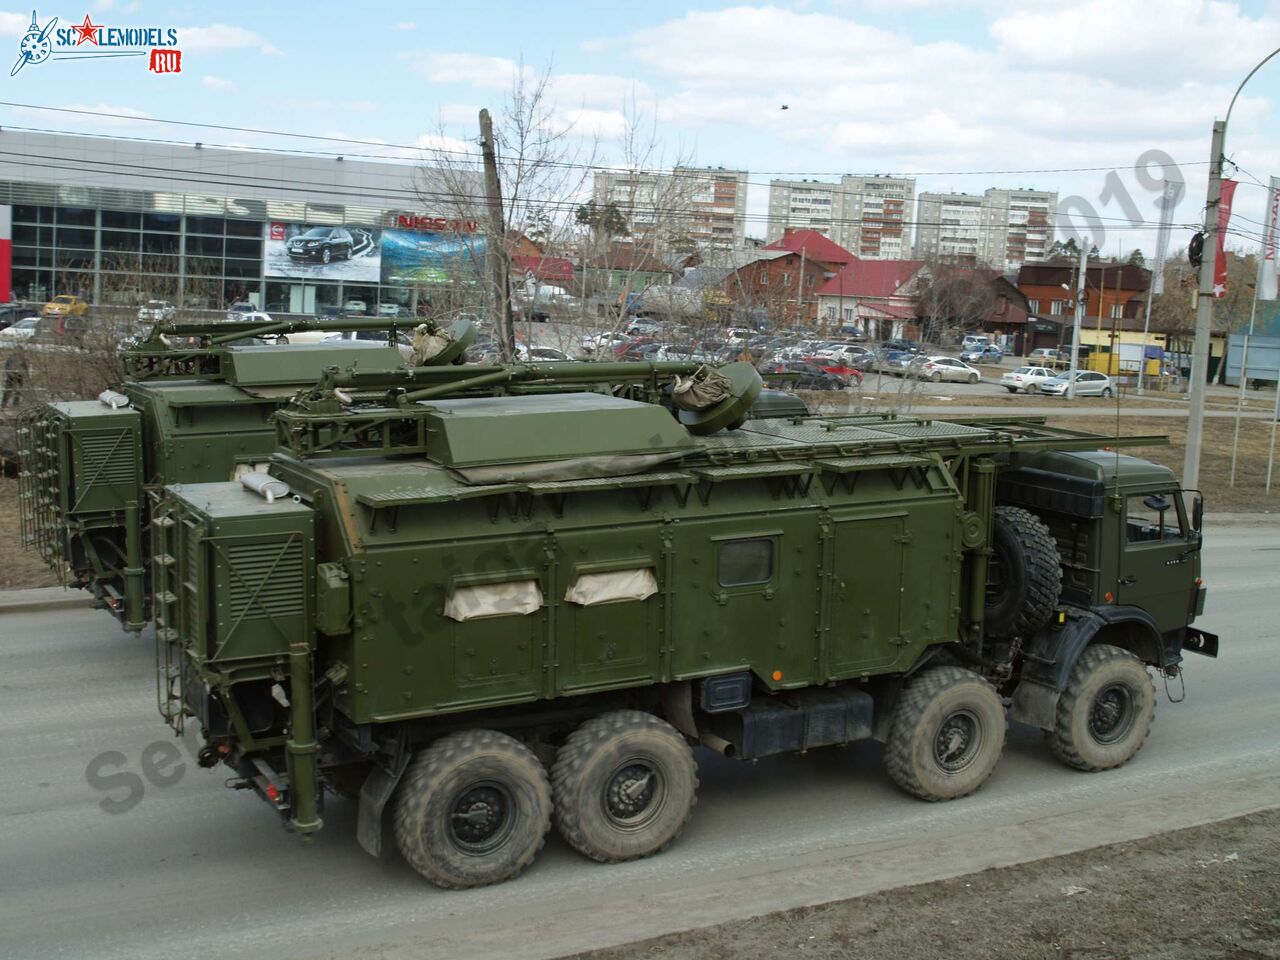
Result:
pixel 238 309
pixel 21 331
pixel 1088 384
pixel 593 342
pixel 1027 379
pixel 524 352
pixel 156 311
pixel 355 306
pixel 937 369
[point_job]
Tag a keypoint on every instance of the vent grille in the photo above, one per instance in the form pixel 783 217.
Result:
pixel 266 580
pixel 106 458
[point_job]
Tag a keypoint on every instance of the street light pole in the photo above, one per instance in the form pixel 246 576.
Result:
pixel 1075 327
pixel 1202 347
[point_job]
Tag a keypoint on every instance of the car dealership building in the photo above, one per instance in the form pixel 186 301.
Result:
pixel 119 221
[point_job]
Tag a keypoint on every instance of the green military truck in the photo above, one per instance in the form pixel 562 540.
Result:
pixel 193 413
pixel 483 614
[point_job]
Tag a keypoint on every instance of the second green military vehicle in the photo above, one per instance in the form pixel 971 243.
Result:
pixel 488 614
pixel 193 413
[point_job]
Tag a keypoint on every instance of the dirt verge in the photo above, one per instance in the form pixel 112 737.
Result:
pixel 1207 892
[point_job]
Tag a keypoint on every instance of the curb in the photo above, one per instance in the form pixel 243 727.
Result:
pixel 43 598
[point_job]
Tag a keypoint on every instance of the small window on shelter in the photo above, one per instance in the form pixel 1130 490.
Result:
pixel 741 563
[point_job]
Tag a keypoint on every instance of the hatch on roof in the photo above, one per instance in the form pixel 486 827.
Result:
pixel 590 433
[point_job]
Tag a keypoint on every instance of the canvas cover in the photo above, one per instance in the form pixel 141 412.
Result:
pixel 615 586
pixel 506 599
pixel 704 388
pixel 429 341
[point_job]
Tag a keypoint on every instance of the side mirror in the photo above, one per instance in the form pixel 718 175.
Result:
pixel 1197 512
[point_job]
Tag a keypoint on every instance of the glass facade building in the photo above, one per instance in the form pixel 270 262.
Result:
pixel 108 231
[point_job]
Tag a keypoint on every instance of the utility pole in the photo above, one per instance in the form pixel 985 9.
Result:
pixel 1204 314
pixel 1075 327
pixel 496 254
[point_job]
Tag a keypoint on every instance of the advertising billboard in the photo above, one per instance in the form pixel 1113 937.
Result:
pixel 308 251
pixel 414 257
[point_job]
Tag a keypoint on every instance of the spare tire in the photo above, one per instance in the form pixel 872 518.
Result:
pixel 1024 576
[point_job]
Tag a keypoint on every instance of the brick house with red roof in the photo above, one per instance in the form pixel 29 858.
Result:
pixel 785 279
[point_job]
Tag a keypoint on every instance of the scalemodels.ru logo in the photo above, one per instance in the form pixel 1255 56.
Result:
pixel 91 40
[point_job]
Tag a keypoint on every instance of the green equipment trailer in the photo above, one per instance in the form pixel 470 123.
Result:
pixel 184 414
pixel 484 614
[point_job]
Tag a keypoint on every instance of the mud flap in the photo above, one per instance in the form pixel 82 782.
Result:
pixel 374 794
pixel 1201 642
pixel 1035 704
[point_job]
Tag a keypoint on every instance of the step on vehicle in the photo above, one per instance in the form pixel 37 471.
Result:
pixel 482 616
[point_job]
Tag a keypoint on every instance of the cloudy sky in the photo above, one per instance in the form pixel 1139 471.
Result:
pixel 965 94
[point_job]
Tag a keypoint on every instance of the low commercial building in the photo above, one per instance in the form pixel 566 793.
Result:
pixel 118 221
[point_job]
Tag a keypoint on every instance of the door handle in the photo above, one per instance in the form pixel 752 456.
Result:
pixel 1124 581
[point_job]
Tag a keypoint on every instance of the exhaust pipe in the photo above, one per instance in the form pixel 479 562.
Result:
pixel 719 744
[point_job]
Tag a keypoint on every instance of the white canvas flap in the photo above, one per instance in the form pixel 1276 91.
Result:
pixel 615 586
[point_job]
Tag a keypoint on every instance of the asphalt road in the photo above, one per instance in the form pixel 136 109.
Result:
pixel 192 869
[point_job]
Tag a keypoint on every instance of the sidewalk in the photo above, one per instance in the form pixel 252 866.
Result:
pixel 42 598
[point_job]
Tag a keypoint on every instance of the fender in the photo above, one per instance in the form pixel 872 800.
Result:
pixel 1049 658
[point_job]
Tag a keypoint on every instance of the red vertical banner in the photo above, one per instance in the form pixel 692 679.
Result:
pixel 1224 218
pixel 6 254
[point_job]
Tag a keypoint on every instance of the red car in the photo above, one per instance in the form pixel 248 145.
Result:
pixel 836 367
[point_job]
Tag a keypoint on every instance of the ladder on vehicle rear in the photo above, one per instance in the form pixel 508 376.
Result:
pixel 164 564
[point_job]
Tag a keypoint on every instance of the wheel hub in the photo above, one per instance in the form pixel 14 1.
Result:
pixel 633 793
pixel 481 817
pixel 957 741
pixel 1112 713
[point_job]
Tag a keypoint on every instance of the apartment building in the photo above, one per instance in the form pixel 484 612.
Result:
pixel 869 216
pixel 949 226
pixel 1002 228
pixel 703 205
pixel 1019 227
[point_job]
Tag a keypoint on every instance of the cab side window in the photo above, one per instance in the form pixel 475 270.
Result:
pixel 1153 517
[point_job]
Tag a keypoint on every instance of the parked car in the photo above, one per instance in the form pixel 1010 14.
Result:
pixel 1049 357
pixel 11 313
pixel 1088 384
pixel 524 352
pixel 366 338
pixel 600 342
pixel 393 310
pixel 973 341
pixel 894 362
pixel 643 328
pixel 355 305
pixel 20 331
pixel 156 311
pixel 238 310
pixel 937 369
pixel 62 328
pixel 982 353
pixel 321 243
pixel 65 305
pixel 1027 379
pixel 906 346
pixel 810 376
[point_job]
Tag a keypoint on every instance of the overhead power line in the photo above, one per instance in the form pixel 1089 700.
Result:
pixel 474 158
pixel 396 197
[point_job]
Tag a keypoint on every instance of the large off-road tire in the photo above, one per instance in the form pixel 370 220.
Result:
pixel 473 808
pixel 946 735
pixel 1024 575
pixel 1105 714
pixel 624 784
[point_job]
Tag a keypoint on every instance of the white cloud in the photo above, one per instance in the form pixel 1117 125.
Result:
pixel 484 73
pixel 14 24
pixel 406 25
pixel 1169 39
pixel 220 36
pixel 216 83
